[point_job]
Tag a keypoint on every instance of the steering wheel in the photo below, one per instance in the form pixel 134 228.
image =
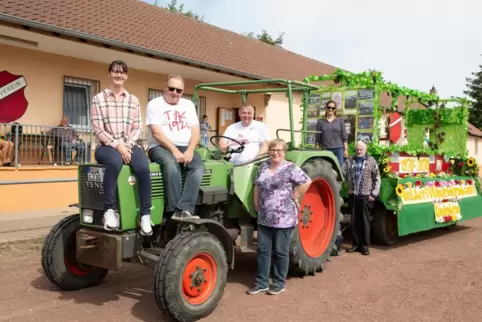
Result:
pixel 229 151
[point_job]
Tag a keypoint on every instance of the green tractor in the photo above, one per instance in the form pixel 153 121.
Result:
pixel 191 259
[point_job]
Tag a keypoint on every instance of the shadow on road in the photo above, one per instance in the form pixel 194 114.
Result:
pixel 137 282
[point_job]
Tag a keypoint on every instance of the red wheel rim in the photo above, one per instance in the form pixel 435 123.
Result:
pixel 199 278
pixel 70 260
pixel 317 218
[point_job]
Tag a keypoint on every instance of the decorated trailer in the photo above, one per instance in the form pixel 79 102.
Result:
pixel 420 142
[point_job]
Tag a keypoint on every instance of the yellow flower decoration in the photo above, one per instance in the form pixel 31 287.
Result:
pixel 454 218
pixel 387 169
pixel 452 161
pixel 399 190
pixel 470 162
pixel 432 175
pixel 385 160
pixel 408 184
pixel 462 181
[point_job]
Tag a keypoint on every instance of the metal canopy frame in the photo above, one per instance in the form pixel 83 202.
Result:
pixel 289 86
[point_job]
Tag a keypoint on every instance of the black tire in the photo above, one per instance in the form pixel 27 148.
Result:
pixel 384 227
pixel 169 275
pixel 300 262
pixel 59 249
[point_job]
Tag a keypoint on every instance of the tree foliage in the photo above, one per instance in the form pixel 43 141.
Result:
pixel 174 7
pixel 267 38
pixel 474 91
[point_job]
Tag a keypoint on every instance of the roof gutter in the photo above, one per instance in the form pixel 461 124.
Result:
pixel 139 49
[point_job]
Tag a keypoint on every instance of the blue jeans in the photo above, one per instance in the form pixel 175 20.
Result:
pixel 204 140
pixel 338 152
pixel 178 198
pixel 113 162
pixel 273 241
pixel 67 148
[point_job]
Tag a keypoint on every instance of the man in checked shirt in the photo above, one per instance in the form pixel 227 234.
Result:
pixel 116 120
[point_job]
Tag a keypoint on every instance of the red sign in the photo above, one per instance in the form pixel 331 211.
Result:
pixel 437 162
pixel 13 102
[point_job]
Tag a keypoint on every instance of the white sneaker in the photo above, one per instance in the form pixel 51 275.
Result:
pixel 146 225
pixel 111 220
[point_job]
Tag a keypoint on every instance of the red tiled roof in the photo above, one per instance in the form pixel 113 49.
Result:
pixel 140 24
pixel 474 131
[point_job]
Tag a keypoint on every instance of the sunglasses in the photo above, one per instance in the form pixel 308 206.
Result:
pixel 173 89
pixel 331 107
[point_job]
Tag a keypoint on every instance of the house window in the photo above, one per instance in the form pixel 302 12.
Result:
pixel 78 94
pixel 200 109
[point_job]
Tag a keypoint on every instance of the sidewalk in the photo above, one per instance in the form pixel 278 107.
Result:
pixel 30 224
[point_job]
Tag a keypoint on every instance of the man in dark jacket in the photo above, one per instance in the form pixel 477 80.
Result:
pixel 363 188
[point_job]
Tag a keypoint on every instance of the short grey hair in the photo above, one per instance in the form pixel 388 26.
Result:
pixel 361 144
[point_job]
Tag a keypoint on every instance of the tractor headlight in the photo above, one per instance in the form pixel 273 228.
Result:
pixel 88 216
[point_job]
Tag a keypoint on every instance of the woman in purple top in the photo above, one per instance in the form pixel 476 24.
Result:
pixel 278 186
pixel 332 134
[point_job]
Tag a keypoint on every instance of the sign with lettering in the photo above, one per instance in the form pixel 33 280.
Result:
pixel 13 103
pixel 414 165
pixel 447 210
pixel 431 192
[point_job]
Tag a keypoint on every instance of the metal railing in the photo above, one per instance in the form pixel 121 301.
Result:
pixel 45 146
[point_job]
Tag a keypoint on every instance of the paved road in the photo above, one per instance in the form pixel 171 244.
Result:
pixel 435 276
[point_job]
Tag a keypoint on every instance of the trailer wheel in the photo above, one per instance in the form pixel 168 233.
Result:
pixel 314 237
pixel 384 226
pixel 59 260
pixel 190 276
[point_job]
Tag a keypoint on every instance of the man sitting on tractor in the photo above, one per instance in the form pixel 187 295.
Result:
pixel 117 134
pixel 173 137
pixel 251 133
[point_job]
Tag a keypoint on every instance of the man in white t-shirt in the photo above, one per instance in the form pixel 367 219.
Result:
pixel 251 133
pixel 173 136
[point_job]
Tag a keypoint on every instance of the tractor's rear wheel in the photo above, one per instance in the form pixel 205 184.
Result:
pixel 59 260
pixel 384 226
pixel 314 238
pixel 190 276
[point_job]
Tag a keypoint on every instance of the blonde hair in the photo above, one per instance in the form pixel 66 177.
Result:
pixel 276 142
pixel 176 77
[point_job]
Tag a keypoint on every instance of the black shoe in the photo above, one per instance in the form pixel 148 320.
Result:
pixel 365 251
pixel 353 249
pixel 256 289
pixel 275 290
pixel 183 214
pixel 335 252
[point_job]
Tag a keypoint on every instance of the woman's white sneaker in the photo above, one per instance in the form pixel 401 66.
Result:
pixel 146 225
pixel 111 220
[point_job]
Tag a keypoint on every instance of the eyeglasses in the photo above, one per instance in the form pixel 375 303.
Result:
pixel 331 107
pixel 177 90
pixel 118 72
pixel 276 150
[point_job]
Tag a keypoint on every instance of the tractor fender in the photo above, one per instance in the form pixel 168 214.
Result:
pixel 217 230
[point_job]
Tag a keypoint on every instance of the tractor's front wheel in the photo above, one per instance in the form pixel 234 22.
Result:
pixel 59 260
pixel 314 238
pixel 190 276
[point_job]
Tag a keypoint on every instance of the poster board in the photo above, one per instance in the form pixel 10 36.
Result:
pixel 357 106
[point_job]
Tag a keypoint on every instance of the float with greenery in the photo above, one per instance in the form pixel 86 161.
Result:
pixel 420 142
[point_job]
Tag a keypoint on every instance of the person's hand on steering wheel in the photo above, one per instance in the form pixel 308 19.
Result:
pixel 223 145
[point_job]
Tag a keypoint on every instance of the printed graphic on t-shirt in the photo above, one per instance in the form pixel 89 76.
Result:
pixel 177 120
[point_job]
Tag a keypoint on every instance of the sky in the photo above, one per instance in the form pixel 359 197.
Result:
pixel 414 43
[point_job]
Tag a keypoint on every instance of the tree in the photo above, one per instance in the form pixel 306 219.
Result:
pixel 173 7
pixel 267 38
pixel 474 91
